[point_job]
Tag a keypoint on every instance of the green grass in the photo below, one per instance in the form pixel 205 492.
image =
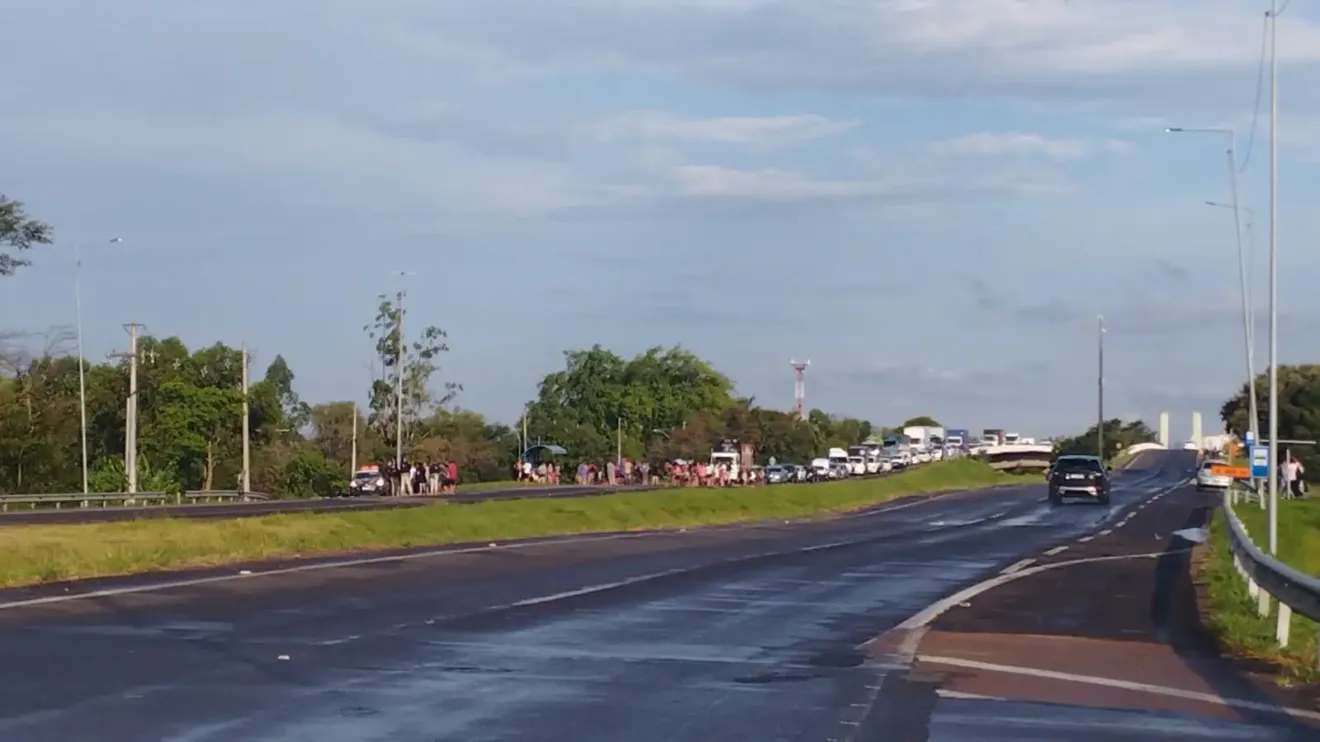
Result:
pixel 43 553
pixel 1231 613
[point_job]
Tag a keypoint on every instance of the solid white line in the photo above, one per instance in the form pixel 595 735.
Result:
pixel 1056 550
pixel 1122 685
pixel 1015 566
pixel 933 611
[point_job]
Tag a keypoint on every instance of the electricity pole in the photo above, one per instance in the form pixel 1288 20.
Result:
pixel 352 467
pixel 131 416
pixel 398 376
pixel 247 423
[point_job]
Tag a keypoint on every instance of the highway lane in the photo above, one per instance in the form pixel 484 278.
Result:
pixel 746 633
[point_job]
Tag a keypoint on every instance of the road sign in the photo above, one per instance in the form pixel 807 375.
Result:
pixel 1225 470
pixel 1260 461
pixel 1248 437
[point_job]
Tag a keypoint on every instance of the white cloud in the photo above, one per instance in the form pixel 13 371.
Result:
pixel 771 184
pixel 994 144
pixel 1040 48
pixel 746 130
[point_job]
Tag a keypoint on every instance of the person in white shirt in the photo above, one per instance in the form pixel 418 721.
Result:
pixel 1292 477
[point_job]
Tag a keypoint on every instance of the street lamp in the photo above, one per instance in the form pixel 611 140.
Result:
pixel 1243 287
pixel 82 376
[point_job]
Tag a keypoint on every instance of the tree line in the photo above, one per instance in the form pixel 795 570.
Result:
pixel 662 404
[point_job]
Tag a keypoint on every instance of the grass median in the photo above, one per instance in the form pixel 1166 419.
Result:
pixel 1231 613
pixel 45 553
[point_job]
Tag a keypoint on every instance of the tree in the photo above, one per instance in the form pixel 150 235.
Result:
pixel 923 421
pixel 599 398
pixel 420 362
pixel 1119 435
pixel 1299 410
pixel 18 233
pixel 297 414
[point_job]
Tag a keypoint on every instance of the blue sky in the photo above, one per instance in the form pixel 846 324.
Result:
pixel 930 199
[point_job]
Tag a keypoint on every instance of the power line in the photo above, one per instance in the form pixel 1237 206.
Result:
pixel 1260 89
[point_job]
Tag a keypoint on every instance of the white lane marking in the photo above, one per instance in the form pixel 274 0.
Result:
pixel 1084 539
pixel 1015 566
pixel 1056 550
pixel 933 611
pixel 1161 690
pixel 1105 532
pixel 959 695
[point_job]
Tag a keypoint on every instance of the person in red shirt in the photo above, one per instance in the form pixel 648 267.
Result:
pixel 451 476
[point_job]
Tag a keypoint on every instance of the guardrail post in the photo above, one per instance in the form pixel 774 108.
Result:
pixel 1284 623
pixel 1263 603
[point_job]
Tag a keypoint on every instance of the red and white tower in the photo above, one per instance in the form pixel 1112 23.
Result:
pixel 800 387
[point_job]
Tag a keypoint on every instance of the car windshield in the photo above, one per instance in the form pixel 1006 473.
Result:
pixel 1078 464
pixel 366 475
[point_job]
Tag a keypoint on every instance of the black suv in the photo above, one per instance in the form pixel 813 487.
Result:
pixel 1079 476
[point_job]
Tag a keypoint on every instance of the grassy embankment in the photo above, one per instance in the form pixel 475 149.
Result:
pixel 43 553
pixel 1231 613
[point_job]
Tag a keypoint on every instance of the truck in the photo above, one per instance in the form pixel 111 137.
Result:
pixel 924 436
pixel 739 457
pixel 956 438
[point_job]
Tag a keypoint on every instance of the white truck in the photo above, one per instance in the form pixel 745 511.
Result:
pixel 857 461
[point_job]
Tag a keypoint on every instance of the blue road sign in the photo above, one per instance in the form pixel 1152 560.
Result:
pixel 1248 437
pixel 1260 461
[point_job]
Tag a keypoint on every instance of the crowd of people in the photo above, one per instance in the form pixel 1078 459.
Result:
pixel 629 472
pixel 420 478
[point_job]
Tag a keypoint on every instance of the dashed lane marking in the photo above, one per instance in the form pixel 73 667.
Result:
pixel 1084 539
pixel 1105 532
pixel 1015 566
pixel 1056 550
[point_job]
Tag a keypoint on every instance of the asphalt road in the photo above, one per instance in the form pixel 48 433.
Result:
pixel 271 507
pixel 741 633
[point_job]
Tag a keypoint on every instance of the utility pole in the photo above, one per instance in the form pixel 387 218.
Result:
pixel 131 417
pixel 247 423
pixel 1100 395
pixel 618 438
pixel 398 376
pixel 352 466
pixel 1273 470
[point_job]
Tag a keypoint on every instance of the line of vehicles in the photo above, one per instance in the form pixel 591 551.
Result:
pixel 915 446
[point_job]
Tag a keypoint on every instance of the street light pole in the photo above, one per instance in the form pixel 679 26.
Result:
pixel 1248 332
pixel 82 374
pixel 1100 384
pixel 398 377
pixel 1272 471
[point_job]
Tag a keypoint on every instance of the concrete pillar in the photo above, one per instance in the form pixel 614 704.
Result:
pixel 1164 429
pixel 1196 430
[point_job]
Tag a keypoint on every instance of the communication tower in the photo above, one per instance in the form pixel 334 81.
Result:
pixel 800 387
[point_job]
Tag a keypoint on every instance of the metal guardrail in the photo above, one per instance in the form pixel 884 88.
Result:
pixel 60 501
pixel 1268 578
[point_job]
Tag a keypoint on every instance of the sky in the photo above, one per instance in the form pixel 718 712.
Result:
pixel 932 200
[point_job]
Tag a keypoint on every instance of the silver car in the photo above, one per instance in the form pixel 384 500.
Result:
pixel 1206 478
